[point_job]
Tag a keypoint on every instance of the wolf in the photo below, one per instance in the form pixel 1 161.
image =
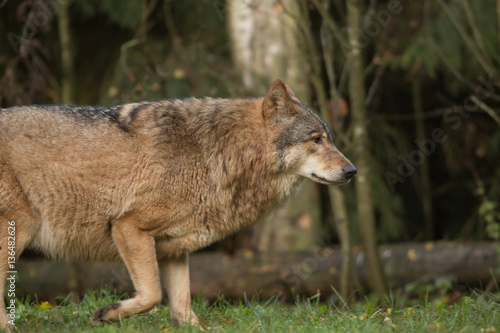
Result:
pixel 148 183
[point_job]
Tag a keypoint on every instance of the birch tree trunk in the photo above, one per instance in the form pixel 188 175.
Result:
pixel 266 45
pixel 357 95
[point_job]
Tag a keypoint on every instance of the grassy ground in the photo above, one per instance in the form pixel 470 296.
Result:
pixel 472 314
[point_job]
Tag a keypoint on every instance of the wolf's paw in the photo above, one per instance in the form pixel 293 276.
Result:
pixel 106 313
pixel 6 328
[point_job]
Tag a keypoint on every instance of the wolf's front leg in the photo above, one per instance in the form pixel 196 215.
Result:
pixel 137 249
pixel 175 275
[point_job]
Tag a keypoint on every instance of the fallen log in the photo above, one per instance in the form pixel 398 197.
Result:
pixel 284 274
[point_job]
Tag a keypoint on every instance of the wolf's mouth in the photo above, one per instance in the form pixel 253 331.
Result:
pixel 323 179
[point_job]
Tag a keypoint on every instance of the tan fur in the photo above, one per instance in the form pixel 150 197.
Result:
pixel 147 183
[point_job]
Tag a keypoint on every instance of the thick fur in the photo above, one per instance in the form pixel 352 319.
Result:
pixel 147 183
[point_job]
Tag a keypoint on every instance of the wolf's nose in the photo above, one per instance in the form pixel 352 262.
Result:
pixel 349 171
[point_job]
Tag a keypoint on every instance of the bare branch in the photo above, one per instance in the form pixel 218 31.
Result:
pixel 486 108
pixel 486 66
pixel 475 31
pixel 328 52
pixel 329 21
pixel 370 13
pixel 447 63
pixel 409 117
pixel 139 38
pixel 172 30
pixel 498 17
pixel 376 81
pixel 123 56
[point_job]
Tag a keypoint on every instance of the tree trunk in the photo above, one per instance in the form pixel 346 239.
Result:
pixel 360 131
pixel 266 46
pixel 286 274
pixel 67 57
pixel 342 225
pixel 425 181
pixel 68 94
pixel 337 200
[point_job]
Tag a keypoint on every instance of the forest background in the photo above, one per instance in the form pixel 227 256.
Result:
pixel 411 89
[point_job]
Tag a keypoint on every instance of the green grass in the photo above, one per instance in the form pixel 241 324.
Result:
pixel 472 314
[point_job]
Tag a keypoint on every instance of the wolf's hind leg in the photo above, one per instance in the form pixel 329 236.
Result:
pixel 175 275
pixel 137 249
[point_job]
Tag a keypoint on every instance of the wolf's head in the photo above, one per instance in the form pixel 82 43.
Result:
pixel 303 142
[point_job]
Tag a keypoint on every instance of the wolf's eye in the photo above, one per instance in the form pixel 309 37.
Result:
pixel 317 139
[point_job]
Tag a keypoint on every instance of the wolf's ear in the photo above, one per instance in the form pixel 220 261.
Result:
pixel 291 93
pixel 279 101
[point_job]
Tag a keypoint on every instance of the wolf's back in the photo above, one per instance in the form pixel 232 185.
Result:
pixel 32 118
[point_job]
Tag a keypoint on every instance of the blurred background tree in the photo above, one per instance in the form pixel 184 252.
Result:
pixel 428 139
